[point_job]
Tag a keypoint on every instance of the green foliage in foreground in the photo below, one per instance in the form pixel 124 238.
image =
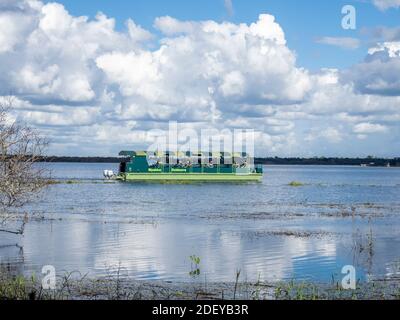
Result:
pixel 21 288
pixel 380 290
pixel 18 288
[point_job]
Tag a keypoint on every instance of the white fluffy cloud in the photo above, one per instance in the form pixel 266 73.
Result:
pixel 379 73
pixel 386 4
pixel 342 42
pixel 367 128
pixel 95 89
pixel 203 64
pixel 51 54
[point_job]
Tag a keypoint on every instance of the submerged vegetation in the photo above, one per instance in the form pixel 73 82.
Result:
pixel 296 184
pixel 195 266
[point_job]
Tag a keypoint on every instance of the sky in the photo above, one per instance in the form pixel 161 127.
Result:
pixel 98 76
pixel 303 21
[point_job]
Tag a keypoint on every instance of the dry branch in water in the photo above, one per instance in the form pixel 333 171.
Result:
pixel 21 177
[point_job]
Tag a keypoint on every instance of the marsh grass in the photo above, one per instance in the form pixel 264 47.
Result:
pixel 296 184
pixel 30 288
pixel 309 291
pixel 364 248
pixel 236 283
pixel 18 288
pixel 117 288
pixel 195 266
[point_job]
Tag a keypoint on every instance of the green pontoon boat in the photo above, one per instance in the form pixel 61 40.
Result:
pixel 202 166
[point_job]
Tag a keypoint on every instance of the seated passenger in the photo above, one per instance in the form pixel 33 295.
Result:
pixel 152 164
pixel 188 164
pixel 160 164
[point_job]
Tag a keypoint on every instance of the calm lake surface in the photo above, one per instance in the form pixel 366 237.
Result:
pixel 270 230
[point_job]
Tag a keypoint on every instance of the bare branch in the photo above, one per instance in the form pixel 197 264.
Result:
pixel 21 177
pixel 13 232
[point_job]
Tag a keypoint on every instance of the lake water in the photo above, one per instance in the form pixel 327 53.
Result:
pixel 270 230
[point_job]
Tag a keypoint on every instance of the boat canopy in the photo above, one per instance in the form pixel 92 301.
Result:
pixel 179 154
pixel 133 154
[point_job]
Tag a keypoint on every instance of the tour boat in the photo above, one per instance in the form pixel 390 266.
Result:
pixel 179 166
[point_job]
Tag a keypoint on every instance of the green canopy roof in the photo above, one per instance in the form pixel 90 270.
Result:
pixel 182 154
pixel 133 154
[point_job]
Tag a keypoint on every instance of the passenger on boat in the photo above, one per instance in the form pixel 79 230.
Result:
pixel 188 164
pixel 154 165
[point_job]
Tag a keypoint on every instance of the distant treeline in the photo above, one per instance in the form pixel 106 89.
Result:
pixel 82 159
pixel 373 162
pixel 370 161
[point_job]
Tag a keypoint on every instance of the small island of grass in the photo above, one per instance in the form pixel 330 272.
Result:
pixel 296 184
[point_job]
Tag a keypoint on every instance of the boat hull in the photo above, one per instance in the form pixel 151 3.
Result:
pixel 202 177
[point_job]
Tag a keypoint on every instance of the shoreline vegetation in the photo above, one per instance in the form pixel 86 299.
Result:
pixel 369 161
pixel 77 287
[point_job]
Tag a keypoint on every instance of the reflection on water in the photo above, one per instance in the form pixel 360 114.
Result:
pixel 271 231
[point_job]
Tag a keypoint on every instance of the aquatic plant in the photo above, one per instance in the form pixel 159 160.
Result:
pixel 296 184
pixel 298 291
pixel 256 293
pixel 236 283
pixel 51 182
pixel 195 265
pixel 14 289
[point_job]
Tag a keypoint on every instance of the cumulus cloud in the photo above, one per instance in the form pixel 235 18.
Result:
pixel 379 73
pixel 53 58
pixel 345 42
pixel 385 51
pixel 368 128
pixel 15 24
pixel 330 134
pixel 386 4
pixel 382 33
pixel 218 63
pixel 95 89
